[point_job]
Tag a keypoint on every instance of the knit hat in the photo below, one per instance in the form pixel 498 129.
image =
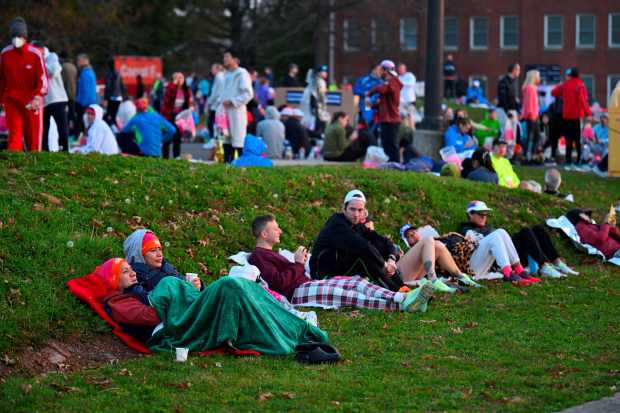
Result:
pixel 142 104
pixel 149 242
pixel 18 28
pixel 110 272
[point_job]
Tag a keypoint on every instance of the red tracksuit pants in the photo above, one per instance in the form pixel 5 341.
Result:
pixel 24 125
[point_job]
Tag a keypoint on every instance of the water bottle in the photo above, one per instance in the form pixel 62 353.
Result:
pixel 288 153
pixel 302 153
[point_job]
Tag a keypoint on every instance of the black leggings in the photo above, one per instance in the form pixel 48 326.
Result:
pixel 536 243
pixel 176 146
pixel 59 112
pixel 572 133
pixel 389 140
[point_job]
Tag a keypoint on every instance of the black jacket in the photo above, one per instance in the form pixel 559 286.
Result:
pixel 148 278
pixel 339 239
pixel 466 226
pixel 507 93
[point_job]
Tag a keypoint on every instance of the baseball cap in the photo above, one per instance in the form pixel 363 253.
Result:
pixel 354 194
pixel 298 112
pixel 287 111
pixel 499 141
pixel 389 66
pixel 477 206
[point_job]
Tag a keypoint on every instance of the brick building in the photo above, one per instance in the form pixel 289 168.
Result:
pixel 485 36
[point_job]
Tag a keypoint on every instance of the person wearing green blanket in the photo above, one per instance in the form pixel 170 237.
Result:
pixel 229 311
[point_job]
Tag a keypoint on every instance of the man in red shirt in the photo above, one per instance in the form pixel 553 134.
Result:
pixel 23 83
pixel 389 109
pixel 574 94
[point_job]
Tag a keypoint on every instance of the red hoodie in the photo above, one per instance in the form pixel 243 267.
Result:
pixel 604 238
pixel 389 102
pixel 575 96
pixel 22 74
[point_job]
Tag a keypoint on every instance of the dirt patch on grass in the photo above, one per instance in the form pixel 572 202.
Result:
pixel 76 353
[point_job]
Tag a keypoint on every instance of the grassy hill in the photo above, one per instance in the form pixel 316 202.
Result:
pixel 502 349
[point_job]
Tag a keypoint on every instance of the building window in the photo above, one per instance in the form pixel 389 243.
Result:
pixel 409 33
pixel 478 33
pixel 509 32
pixel 612 81
pixel 352 35
pixel 554 32
pixel 586 31
pixel 451 33
pixel 614 30
pixel 588 80
pixel 379 34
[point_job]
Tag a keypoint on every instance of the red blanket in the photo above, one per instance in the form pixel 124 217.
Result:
pixel 91 289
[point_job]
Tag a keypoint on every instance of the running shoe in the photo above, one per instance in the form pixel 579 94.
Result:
pixel 417 299
pixel 443 287
pixel 516 280
pixel 528 277
pixel 549 270
pixel 466 279
pixel 563 268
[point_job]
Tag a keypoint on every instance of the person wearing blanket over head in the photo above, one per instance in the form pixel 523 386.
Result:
pixel 289 278
pixel 230 311
pixel 604 237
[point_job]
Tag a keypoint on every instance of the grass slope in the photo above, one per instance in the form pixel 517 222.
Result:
pixel 502 349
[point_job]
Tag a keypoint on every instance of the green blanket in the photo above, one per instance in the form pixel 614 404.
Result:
pixel 230 309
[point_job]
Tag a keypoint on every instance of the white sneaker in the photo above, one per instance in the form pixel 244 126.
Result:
pixel 549 270
pixel 562 267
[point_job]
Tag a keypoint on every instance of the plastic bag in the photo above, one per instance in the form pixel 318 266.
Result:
pixel 376 155
pixel 184 122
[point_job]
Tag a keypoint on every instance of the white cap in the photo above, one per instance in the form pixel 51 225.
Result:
pixel 476 83
pixel 477 206
pixel 286 111
pixel 389 66
pixel 298 112
pixel 354 194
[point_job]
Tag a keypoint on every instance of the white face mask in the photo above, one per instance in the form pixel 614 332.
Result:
pixel 18 41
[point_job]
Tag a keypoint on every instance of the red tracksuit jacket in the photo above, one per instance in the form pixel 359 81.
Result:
pixel 575 96
pixel 22 74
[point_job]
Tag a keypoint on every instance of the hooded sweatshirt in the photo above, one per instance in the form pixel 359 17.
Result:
pixel 389 103
pixel 56 92
pixel 100 137
pixel 151 130
pixel 273 132
pixel 148 277
pixel 253 153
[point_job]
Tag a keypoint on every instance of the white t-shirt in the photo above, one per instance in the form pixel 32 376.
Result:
pixel 407 93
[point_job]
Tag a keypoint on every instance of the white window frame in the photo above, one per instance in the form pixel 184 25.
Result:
pixel 471 33
pixel 452 48
pixel 345 37
pixel 611 87
pixel 403 46
pixel 502 44
pixel 546 33
pixel 591 96
pixel 609 31
pixel 578 45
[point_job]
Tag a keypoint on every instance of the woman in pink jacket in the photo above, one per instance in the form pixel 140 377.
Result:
pixel 529 112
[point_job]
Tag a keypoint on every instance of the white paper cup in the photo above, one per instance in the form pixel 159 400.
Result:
pixel 182 354
pixel 190 277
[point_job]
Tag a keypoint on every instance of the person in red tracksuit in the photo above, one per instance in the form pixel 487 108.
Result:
pixel 23 83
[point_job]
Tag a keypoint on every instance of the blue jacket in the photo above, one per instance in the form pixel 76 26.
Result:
pixel 363 85
pixel 475 93
pixel 86 94
pixel 151 131
pixel 453 137
pixel 253 151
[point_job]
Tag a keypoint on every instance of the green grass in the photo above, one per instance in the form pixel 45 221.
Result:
pixel 542 348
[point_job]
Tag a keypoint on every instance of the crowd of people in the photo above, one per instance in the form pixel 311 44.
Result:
pixel 350 264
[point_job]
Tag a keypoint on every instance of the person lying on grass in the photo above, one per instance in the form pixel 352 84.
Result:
pixel 532 244
pixel 289 278
pixel 346 246
pixel 143 252
pixel 445 256
pixel 492 246
pixel 228 312
pixel 604 237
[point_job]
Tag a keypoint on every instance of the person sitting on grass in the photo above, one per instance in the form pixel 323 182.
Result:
pixel 481 168
pixel 413 239
pixel 231 312
pixel 458 136
pixel 143 251
pixel 492 246
pixel 553 180
pixel 346 246
pixel 506 175
pixel 289 278
pixel 604 237
pixel 145 133
pixel 339 147
pixel 99 136
pixel 490 128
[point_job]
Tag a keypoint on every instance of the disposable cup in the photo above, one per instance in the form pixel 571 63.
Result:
pixel 182 354
pixel 190 277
